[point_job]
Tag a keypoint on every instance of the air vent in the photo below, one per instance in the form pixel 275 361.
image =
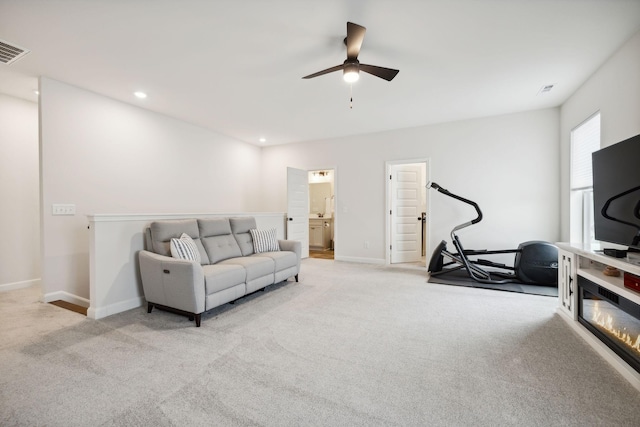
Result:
pixel 608 295
pixel 545 89
pixel 10 53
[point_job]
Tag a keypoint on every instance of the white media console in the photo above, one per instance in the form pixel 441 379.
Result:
pixel 576 260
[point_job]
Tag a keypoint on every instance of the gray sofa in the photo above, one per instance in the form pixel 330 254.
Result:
pixel 229 267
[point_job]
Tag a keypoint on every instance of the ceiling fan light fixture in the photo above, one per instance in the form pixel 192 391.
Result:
pixel 351 76
pixel 351 73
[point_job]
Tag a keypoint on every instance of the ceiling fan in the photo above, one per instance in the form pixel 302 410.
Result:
pixel 351 67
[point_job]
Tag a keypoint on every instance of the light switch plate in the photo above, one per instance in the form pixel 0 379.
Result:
pixel 63 209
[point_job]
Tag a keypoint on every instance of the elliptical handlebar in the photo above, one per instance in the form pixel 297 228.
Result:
pixel 446 192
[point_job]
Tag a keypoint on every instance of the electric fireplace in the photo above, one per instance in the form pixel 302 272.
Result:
pixel 613 319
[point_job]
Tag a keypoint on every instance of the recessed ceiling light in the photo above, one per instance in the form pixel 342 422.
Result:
pixel 36 92
pixel 262 140
pixel 140 95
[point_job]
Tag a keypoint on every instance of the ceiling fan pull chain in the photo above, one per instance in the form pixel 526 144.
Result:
pixel 351 99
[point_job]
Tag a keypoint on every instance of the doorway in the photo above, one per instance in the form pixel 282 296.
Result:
pixel 321 213
pixel 407 212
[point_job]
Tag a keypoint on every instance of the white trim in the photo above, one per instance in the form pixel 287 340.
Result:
pixel 120 306
pixel 19 285
pixel 361 260
pixel 65 296
pixel 140 217
pixel 591 116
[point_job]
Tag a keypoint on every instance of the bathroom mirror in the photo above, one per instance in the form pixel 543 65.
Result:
pixel 319 192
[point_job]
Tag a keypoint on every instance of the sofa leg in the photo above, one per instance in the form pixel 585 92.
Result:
pixel 198 318
pixel 149 307
pixel 296 277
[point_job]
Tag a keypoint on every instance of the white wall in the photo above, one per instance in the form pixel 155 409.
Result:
pixel 614 90
pixel 508 164
pixel 19 217
pixel 108 157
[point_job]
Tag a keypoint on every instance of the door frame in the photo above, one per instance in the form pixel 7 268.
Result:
pixel 389 197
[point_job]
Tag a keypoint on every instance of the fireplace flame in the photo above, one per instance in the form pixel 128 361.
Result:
pixel 606 323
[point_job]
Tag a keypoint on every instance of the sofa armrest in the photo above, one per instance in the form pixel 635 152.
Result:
pixel 172 282
pixel 292 246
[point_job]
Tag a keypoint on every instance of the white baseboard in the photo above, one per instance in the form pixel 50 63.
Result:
pixel 19 285
pixel 361 260
pixel 119 307
pixel 65 296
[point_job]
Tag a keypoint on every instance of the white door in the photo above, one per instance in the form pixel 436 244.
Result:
pixel 406 215
pixel 298 208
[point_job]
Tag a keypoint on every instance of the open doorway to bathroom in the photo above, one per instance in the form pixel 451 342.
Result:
pixel 322 213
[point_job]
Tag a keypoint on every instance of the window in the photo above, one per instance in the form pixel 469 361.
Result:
pixel 585 139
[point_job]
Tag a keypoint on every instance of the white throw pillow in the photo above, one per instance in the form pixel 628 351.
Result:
pixel 264 240
pixel 185 248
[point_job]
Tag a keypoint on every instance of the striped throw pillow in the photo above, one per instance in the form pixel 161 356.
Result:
pixel 185 248
pixel 264 240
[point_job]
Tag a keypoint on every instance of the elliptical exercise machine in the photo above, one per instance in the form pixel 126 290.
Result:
pixel 535 263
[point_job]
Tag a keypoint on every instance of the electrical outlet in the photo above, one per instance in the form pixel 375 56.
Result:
pixel 63 209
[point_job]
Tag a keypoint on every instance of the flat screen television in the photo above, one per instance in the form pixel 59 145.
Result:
pixel 616 193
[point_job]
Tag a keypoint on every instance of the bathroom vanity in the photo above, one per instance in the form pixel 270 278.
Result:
pixel 320 233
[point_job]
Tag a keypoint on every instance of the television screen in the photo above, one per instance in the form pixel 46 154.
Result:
pixel 616 193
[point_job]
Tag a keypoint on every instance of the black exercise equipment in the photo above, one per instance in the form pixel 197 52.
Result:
pixel 535 263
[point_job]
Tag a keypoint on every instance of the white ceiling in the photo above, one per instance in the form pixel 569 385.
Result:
pixel 236 66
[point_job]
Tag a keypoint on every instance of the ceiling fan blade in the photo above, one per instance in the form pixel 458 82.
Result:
pixel 355 36
pixel 384 73
pixel 327 71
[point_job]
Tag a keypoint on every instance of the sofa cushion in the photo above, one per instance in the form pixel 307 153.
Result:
pixel 264 240
pixel 217 239
pixel 219 277
pixel 163 231
pixel 256 266
pixel 240 228
pixel 282 259
pixel 185 248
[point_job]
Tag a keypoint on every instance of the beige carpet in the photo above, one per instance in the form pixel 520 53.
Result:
pixel 350 345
